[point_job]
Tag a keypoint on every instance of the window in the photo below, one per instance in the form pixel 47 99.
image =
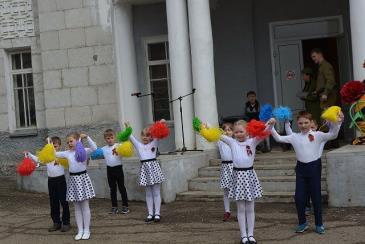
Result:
pixel 158 75
pixel 23 87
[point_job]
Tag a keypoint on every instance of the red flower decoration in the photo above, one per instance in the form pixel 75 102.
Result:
pixel 311 137
pixel 257 129
pixel 352 91
pixel 26 167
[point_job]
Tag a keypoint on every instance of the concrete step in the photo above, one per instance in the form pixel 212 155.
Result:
pixel 261 170
pixel 268 183
pixel 291 160
pixel 216 196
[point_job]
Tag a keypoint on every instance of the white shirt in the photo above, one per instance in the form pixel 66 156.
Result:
pixel 54 169
pixel 145 151
pixel 308 151
pixel 111 156
pixel 74 166
pixel 225 151
pixel 243 153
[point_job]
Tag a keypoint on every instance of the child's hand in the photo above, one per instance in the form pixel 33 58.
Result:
pixel 204 125
pixel 163 121
pixel 127 124
pixel 26 153
pixel 83 136
pixel 271 121
pixel 340 117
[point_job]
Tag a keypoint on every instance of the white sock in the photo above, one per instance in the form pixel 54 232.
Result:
pixel 78 217
pixel 149 200
pixel 226 201
pixel 156 198
pixel 86 215
pixel 241 216
pixel 250 216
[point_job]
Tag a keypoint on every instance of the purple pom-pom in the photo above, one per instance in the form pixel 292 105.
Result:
pixel 80 152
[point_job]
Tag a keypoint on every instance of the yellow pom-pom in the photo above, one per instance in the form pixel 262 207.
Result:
pixel 47 154
pixel 211 134
pixel 125 149
pixel 331 114
pixel 63 162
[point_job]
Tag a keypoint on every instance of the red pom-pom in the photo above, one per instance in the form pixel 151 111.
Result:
pixel 26 167
pixel 159 130
pixel 352 91
pixel 257 129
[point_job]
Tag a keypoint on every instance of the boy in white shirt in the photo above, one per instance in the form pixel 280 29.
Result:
pixel 308 146
pixel 115 172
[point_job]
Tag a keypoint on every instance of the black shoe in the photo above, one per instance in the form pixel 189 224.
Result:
pixel 157 218
pixel 65 228
pixel 244 240
pixel 252 240
pixel 54 227
pixel 149 219
pixel 125 210
pixel 114 210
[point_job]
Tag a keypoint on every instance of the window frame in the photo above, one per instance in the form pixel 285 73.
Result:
pixel 148 80
pixel 9 72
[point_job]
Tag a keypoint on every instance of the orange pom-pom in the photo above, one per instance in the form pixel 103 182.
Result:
pixel 159 130
pixel 26 167
pixel 257 129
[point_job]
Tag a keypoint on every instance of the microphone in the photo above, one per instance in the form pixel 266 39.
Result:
pixel 137 94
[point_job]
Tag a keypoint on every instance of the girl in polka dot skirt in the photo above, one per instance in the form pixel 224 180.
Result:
pixel 226 168
pixel 245 186
pixel 79 187
pixel 150 174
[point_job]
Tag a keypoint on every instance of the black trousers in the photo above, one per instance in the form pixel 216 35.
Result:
pixel 57 189
pixel 116 177
pixel 308 180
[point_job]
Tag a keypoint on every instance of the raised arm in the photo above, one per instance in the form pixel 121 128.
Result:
pixel 279 138
pixel 92 145
pixel 288 129
pixel 226 139
pixel 61 154
pixel 134 141
pixel 331 134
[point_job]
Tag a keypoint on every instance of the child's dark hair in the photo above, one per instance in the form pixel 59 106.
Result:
pixel 109 132
pixel 316 50
pixel 56 140
pixel 251 93
pixel 227 124
pixel 305 114
pixel 75 135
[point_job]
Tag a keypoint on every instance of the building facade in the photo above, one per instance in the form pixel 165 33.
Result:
pixel 75 64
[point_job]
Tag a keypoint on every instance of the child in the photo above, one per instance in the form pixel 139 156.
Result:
pixel 150 173
pixel 226 169
pixel 57 188
pixel 80 188
pixel 308 146
pixel 114 172
pixel 245 186
pixel 252 107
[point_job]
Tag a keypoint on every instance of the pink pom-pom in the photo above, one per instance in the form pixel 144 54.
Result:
pixel 80 152
pixel 159 130
pixel 257 129
pixel 26 167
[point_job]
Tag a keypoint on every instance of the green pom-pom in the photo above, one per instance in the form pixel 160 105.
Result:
pixel 197 124
pixel 125 134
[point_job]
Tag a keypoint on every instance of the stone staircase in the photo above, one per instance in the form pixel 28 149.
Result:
pixel 275 171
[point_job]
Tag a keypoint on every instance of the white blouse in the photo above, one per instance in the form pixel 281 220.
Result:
pixel 225 151
pixel 145 151
pixel 112 158
pixel 53 169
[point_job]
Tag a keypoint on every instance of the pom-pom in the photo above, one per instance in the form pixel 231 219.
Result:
pixel 257 129
pixel 351 91
pixel 159 130
pixel 47 154
pixel 282 113
pixel 80 152
pixel 63 162
pixel 125 149
pixel 331 114
pixel 97 154
pixel 265 112
pixel 26 167
pixel 211 134
pixel 197 124
pixel 125 134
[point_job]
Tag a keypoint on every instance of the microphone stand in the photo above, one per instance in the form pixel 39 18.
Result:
pixel 184 149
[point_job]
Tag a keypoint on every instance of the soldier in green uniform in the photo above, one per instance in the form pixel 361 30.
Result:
pixel 309 96
pixel 326 82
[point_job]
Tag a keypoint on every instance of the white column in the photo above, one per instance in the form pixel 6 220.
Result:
pixel 129 107
pixel 357 20
pixel 201 42
pixel 180 64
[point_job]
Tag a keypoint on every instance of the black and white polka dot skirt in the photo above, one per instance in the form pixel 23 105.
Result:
pixel 79 188
pixel 150 173
pixel 226 174
pixel 245 185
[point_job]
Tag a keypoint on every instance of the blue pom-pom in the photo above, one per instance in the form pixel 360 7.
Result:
pixel 283 113
pixel 265 112
pixel 97 154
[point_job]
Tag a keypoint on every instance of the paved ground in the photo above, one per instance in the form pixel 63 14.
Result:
pixel 25 219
